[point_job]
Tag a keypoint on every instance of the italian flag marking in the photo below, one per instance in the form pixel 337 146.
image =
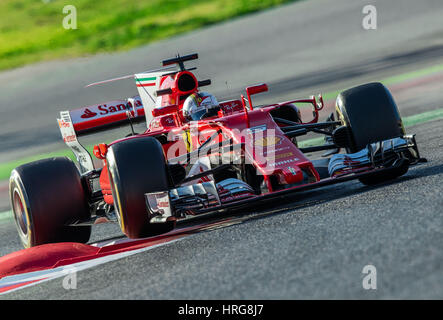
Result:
pixel 145 82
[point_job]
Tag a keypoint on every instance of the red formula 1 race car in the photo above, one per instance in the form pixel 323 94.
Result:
pixel 199 156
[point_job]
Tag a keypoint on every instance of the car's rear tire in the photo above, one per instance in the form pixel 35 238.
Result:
pixel 370 114
pixel 45 196
pixel 137 166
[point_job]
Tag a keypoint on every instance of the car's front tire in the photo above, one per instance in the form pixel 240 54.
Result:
pixel 371 115
pixel 137 166
pixel 45 196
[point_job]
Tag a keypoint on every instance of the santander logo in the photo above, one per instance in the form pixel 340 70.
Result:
pixel 104 109
pixel 88 114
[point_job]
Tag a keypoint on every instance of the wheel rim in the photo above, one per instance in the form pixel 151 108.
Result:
pixel 21 216
pixel 20 213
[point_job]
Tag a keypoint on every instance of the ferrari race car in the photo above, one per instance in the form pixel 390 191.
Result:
pixel 233 157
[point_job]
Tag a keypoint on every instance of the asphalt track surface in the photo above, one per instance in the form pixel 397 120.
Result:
pixel 314 245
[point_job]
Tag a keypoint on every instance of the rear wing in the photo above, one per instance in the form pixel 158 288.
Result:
pixel 94 118
pixel 115 113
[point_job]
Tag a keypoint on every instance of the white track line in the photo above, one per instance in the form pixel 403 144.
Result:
pixel 50 274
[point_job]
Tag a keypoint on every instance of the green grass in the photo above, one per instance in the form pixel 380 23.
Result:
pixel 7 167
pixel 395 79
pixel 32 30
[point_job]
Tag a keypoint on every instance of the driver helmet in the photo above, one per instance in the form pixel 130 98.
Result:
pixel 200 105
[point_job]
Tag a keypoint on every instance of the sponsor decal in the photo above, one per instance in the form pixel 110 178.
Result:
pixel 292 171
pixel 162 122
pixel 230 107
pixel 88 114
pixel 282 162
pixel 76 149
pixel 169 121
pixel 155 124
pixel 158 202
pixel 102 109
pixel 163 204
pixel 187 139
pixel 69 138
pixel 273 157
pixel 268 141
pixel 204 102
pixel 281 155
pixel 63 124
